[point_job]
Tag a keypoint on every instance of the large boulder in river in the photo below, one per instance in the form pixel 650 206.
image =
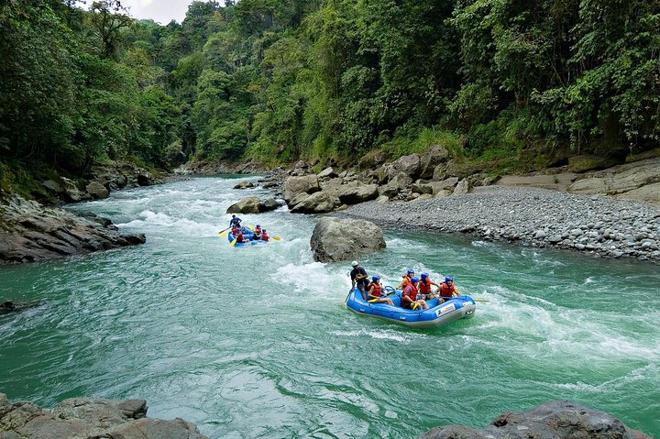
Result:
pixel 318 202
pixel 244 185
pixel 337 239
pixel 293 186
pixel 253 205
pixel 552 420
pixel 87 418
pixel 97 190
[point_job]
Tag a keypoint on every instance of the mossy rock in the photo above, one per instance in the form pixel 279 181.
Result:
pixel 583 163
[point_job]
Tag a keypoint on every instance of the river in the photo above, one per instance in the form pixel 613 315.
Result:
pixel 255 342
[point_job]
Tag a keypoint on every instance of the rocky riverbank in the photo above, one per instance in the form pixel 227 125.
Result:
pixel 31 232
pixel 89 418
pixel 595 225
pixel 98 183
pixel 555 419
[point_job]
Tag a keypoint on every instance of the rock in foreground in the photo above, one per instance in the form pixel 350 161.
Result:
pixel 85 418
pixel 336 239
pixel 31 232
pixel 555 419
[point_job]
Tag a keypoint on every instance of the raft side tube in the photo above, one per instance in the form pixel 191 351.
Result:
pixel 438 314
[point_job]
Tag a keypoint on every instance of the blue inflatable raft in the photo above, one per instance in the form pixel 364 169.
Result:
pixel 247 237
pixel 438 314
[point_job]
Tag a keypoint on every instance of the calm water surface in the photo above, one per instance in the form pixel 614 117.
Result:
pixel 256 342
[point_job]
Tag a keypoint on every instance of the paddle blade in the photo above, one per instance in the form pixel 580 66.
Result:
pixel 233 242
pixel 251 227
pixel 222 234
pixel 276 237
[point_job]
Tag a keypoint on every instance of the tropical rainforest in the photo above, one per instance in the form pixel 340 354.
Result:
pixel 280 80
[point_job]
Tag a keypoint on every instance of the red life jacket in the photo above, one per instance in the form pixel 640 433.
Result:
pixel 264 236
pixel 377 291
pixel 425 287
pixel 446 290
pixel 409 291
pixel 239 237
pixel 406 281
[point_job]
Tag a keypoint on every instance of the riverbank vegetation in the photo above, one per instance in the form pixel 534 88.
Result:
pixel 279 80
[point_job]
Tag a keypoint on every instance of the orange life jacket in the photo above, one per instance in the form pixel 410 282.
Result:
pixel 425 287
pixel 377 291
pixel 446 290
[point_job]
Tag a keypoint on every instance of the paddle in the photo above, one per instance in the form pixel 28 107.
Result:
pixel 233 242
pixel 223 232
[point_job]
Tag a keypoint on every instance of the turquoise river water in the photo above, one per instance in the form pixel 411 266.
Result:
pixel 256 342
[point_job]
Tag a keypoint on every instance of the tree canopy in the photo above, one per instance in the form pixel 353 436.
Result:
pixel 278 80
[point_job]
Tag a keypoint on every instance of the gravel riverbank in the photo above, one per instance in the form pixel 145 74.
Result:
pixel 597 225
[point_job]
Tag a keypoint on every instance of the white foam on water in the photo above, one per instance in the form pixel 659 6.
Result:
pixel 570 332
pixel 312 278
pixel 379 335
pixel 407 244
pixel 186 226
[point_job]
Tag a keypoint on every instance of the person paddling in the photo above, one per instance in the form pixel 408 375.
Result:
pixel 257 233
pixel 405 279
pixel 264 235
pixel 425 286
pixel 376 292
pixel 237 234
pixel 409 296
pixel 447 289
pixel 235 222
pixel 359 279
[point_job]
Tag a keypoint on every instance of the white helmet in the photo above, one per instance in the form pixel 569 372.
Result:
pixel 354 263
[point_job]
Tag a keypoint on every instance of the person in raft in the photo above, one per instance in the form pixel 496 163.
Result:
pixel 256 236
pixel 359 279
pixel 235 222
pixel 405 279
pixel 409 296
pixel 264 235
pixel 237 234
pixel 425 286
pixel 447 289
pixel 375 289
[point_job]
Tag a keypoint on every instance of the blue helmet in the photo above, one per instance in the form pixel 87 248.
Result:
pixel 376 278
pixel 449 279
pixel 414 279
pixel 425 275
pixel 410 271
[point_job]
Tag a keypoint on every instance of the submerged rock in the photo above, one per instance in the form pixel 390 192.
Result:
pixel 555 419
pixel 336 239
pixel 87 418
pixel 244 185
pixel 31 232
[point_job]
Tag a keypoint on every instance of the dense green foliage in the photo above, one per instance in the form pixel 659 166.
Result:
pixel 278 80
